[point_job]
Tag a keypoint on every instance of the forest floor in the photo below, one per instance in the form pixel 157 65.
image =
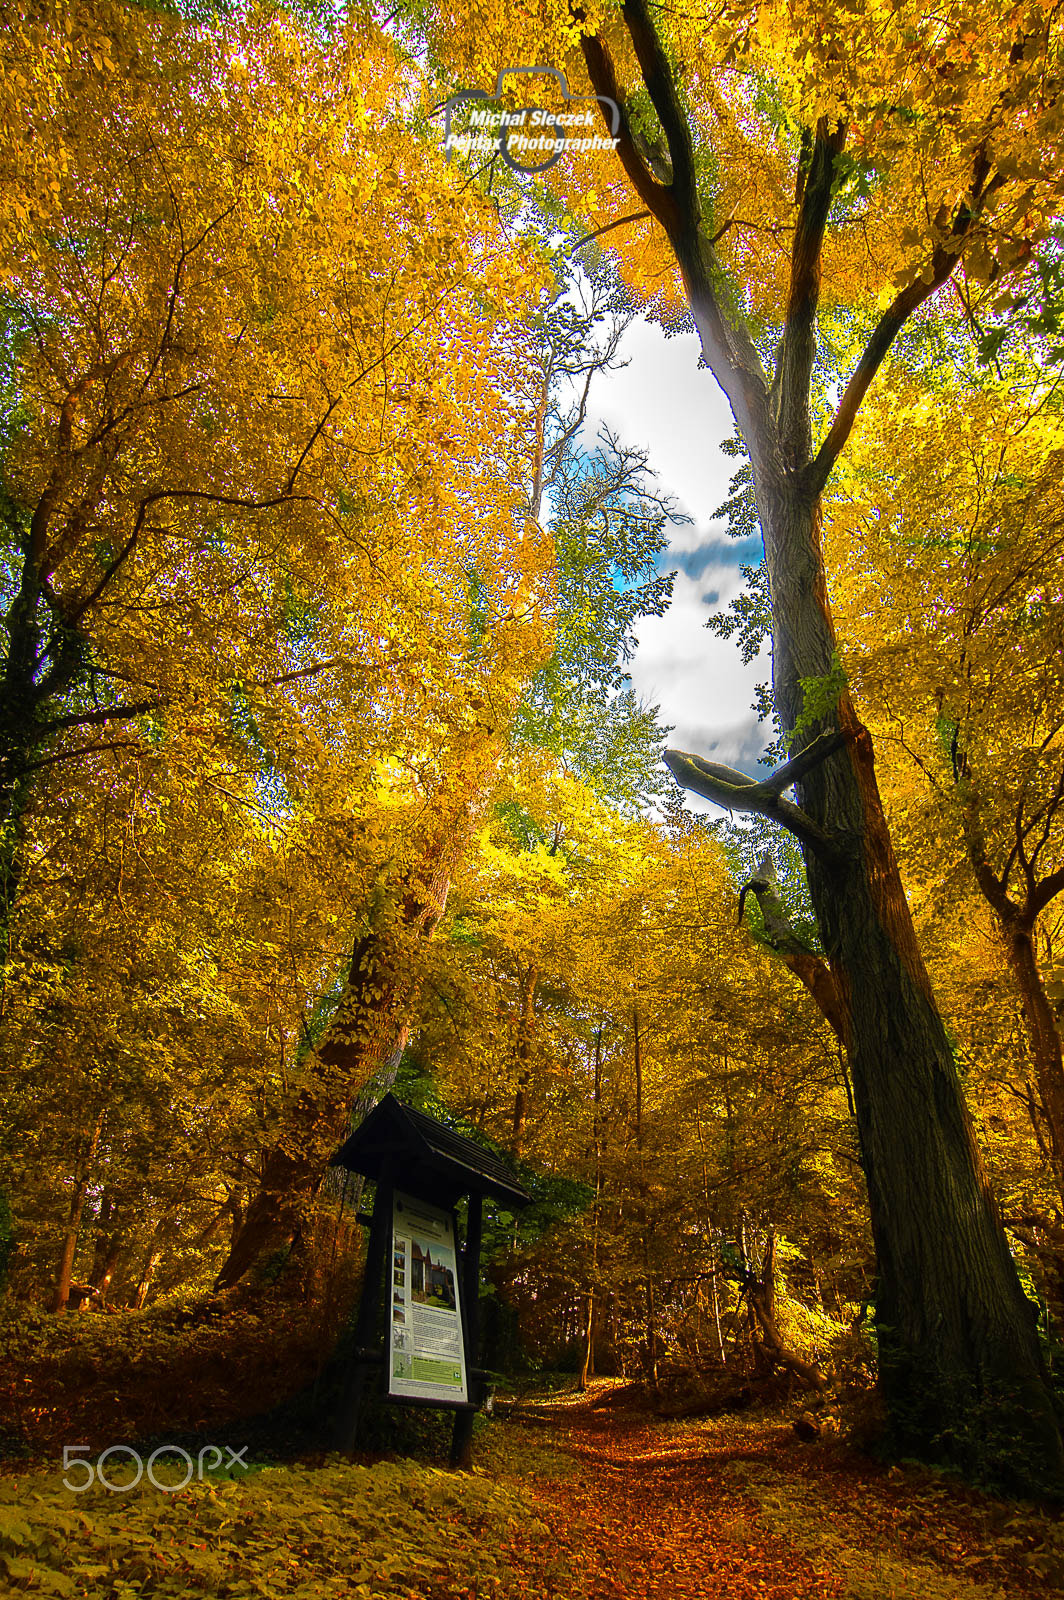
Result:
pixel 737 1508
pixel 572 1497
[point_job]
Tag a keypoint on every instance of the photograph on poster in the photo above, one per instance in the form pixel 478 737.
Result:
pixel 432 1277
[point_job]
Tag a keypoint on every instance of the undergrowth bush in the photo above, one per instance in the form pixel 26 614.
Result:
pixel 96 1380
pixel 308 1533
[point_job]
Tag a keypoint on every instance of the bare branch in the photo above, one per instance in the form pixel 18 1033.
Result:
pixel 633 216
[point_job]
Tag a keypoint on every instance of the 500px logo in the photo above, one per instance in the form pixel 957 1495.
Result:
pixel 94 1471
pixel 529 130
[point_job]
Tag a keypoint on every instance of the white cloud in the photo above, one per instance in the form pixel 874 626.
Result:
pixel 672 407
pixel 664 401
pixel 700 682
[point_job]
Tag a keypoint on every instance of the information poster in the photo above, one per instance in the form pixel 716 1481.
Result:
pixel 427 1351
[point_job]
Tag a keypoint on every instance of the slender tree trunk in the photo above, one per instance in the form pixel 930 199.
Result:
pixel 589 1326
pixel 153 1256
pixel 106 1265
pixel 522 1053
pixel 596 1137
pixel 767 1284
pixel 61 1293
pixel 108 1244
pixel 714 1277
pixel 1017 920
pixel 649 1289
pixel 1043 1037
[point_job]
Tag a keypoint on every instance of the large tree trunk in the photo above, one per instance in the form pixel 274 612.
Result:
pixel 108 1244
pixel 105 1263
pixel 959 1358
pixel 369 1027
pixel 960 1364
pixel 367 1031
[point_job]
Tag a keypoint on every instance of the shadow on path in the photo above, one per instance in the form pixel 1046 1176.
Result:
pixel 737 1509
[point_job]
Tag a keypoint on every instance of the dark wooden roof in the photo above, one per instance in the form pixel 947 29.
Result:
pixel 419 1154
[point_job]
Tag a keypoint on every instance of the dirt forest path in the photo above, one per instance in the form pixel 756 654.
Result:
pixel 739 1509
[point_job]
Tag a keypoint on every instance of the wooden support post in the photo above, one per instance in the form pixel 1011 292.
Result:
pixel 370 1305
pixel 462 1438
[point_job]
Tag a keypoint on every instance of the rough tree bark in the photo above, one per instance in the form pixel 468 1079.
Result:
pixel 960 1365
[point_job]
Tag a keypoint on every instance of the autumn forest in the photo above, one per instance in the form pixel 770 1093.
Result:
pixel 323 777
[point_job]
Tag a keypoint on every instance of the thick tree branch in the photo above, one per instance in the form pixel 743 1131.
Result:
pixel 816 751
pixel 811 970
pixel 654 195
pixel 798 351
pixel 728 348
pixel 994 889
pixel 82 750
pixel 661 86
pixel 1046 891
pixel 887 329
pixel 73 614
pixel 103 714
pixel 733 790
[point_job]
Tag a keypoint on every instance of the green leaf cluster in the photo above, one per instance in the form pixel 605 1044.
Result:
pixel 309 1533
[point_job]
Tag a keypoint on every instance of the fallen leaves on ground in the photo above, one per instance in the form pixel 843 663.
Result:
pixel 569 1501
pixel 735 1508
